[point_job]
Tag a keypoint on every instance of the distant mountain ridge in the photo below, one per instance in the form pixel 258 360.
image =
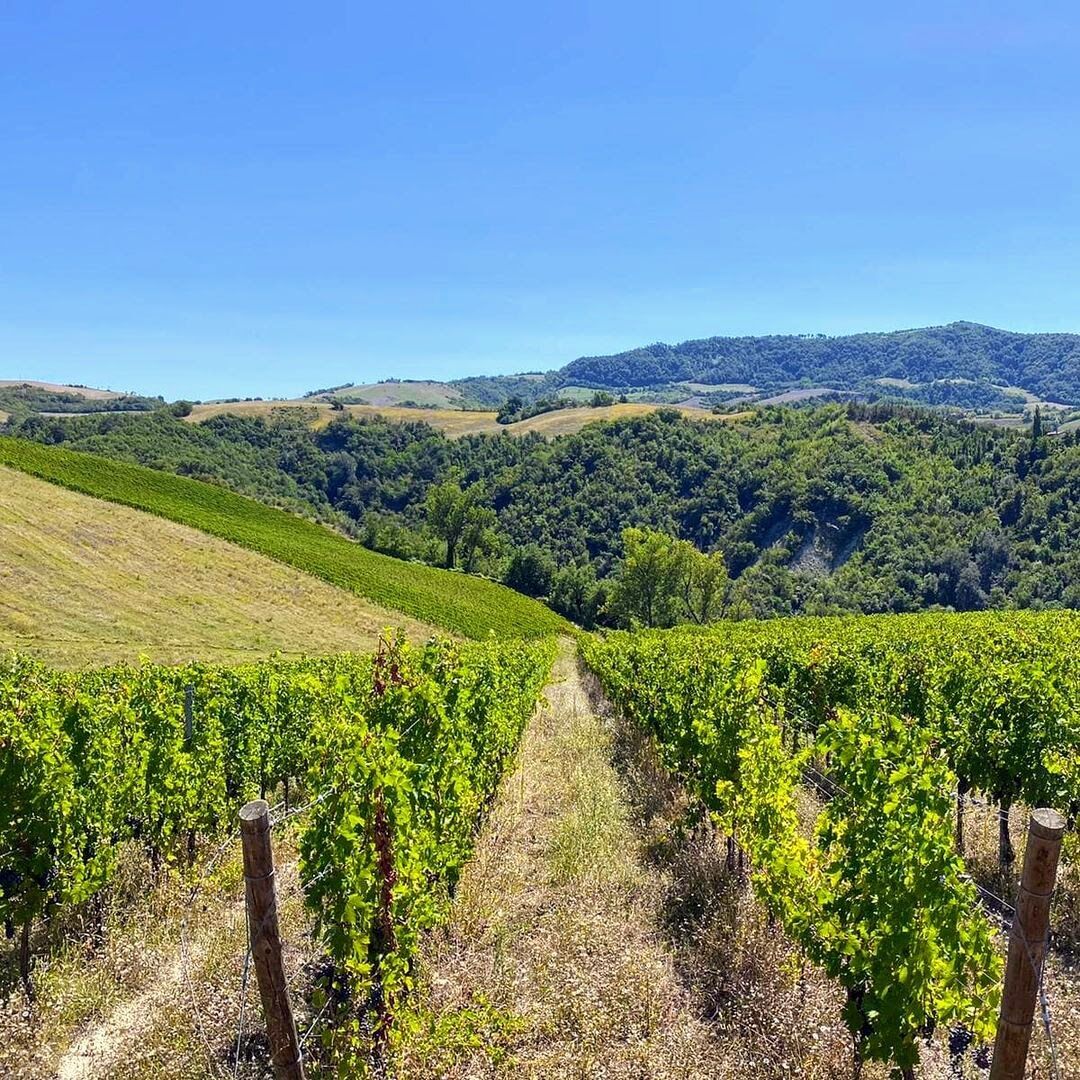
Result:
pixel 1046 365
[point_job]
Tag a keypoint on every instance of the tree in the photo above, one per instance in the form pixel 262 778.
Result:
pixel 1036 425
pixel 662 581
pixel 647 583
pixel 576 594
pixel 478 533
pixel 509 409
pixel 704 582
pixel 447 509
pixel 457 516
pixel 602 398
pixel 969 591
pixel 530 571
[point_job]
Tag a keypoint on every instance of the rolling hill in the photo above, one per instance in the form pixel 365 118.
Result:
pixel 465 605
pixel 83 581
pixel 409 393
pixel 963 364
pixel 857 507
pixel 23 397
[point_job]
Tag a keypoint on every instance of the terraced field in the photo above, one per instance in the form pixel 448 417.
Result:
pixel 461 604
pixel 83 581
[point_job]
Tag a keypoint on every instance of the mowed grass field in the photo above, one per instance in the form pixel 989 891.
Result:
pixel 83 581
pixel 456 602
pixel 457 422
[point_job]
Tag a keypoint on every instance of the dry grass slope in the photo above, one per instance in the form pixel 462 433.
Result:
pixel 88 392
pixel 461 603
pixel 452 421
pixel 569 421
pixel 87 582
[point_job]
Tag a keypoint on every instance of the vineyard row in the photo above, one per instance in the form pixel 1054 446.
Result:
pixel 399 753
pixel 898 715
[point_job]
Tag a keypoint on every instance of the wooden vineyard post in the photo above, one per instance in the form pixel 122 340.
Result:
pixel 265 940
pixel 1027 945
pixel 189 735
pixel 189 715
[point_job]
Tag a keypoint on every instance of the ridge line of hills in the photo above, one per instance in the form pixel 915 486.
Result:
pixel 966 366
pixel 985 366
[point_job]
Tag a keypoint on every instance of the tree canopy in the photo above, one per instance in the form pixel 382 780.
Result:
pixel 824 509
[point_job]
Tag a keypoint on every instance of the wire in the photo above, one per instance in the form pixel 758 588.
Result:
pixel 274 823
pixel 243 991
pixel 1043 1000
pixel 318 1017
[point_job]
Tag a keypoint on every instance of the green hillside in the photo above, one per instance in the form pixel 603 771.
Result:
pixel 465 605
pixel 963 364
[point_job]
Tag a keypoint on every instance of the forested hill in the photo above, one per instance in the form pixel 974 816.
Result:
pixel 1047 365
pixel 828 509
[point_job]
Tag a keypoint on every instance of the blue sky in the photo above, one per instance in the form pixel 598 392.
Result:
pixel 213 199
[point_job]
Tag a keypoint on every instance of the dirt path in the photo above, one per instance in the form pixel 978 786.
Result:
pixel 552 965
pixel 94 1052
pixel 183 1020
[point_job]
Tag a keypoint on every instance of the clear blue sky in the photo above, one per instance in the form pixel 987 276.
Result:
pixel 205 199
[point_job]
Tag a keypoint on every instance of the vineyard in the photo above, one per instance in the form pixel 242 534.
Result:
pixel 893 721
pixel 396 754
pixel 462 604
pixel 836 765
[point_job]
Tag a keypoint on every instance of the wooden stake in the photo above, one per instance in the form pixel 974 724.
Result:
pixel 961 794
pixel 1006 855
pixel 189 733
pixel 1027 945
pixel 266 941
pixel 189 715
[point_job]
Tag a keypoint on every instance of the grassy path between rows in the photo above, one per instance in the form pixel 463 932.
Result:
pixel 589 935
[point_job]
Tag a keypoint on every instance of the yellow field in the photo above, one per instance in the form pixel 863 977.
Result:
pixel 456 422
pixel 568 421
pixel 452 421
pixel 89 582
